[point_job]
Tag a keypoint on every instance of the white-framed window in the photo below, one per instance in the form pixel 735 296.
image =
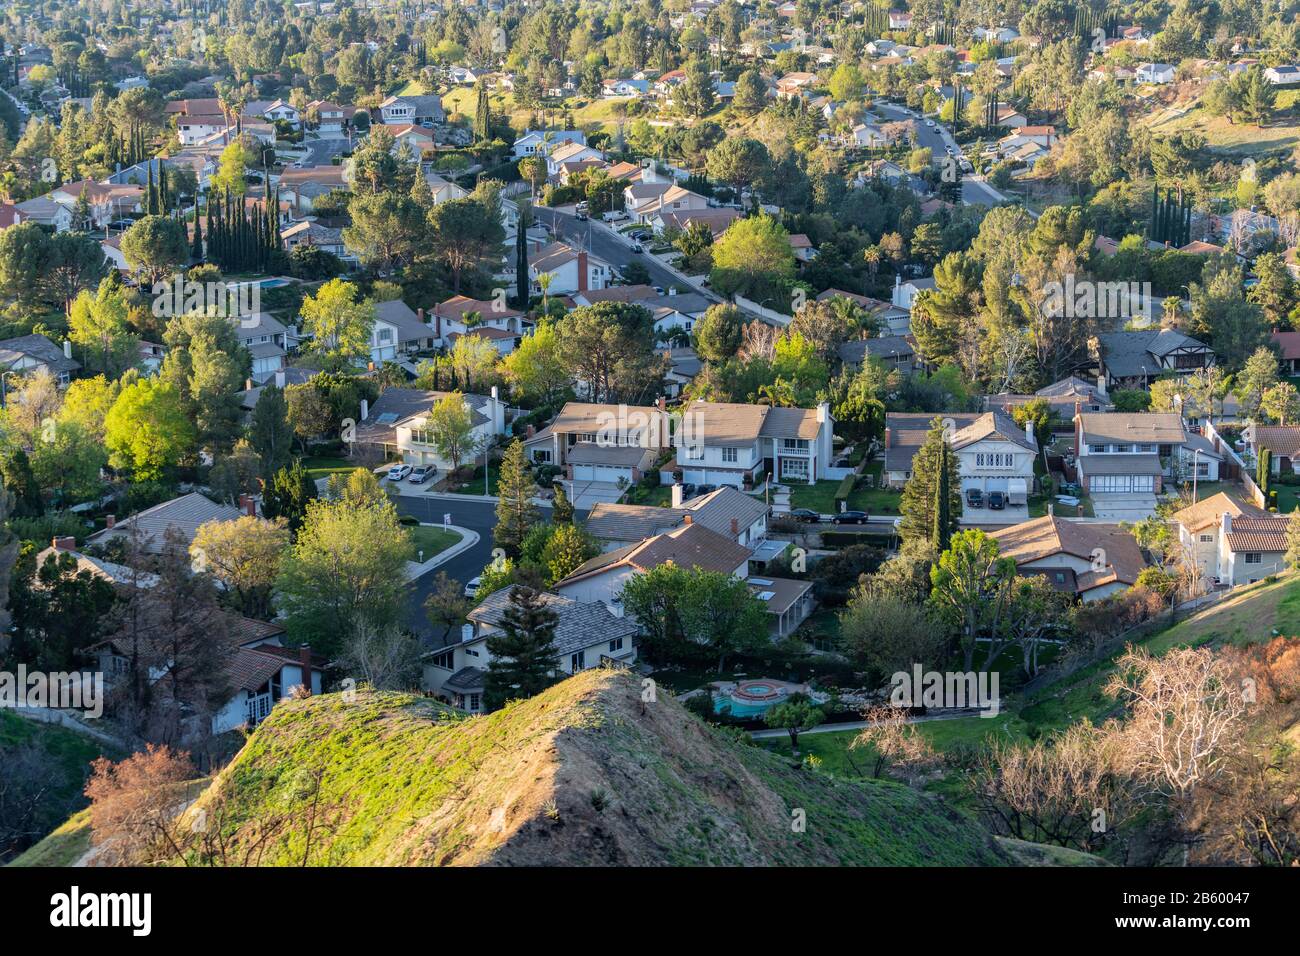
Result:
pixel 1097 449
pixel 578 661
pixel 446 660
pixel 794 468
pixel 616 645
pixel 1207 539
pixel 1123 449
pixel 474 702
pixel 731 455
pixel 1254 557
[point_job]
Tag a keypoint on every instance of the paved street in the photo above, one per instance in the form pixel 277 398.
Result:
pixel 604 243
pixel 974 191
pixel 476 515
pixel 321 151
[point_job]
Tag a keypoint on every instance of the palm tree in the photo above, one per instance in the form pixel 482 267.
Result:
pixel 544 280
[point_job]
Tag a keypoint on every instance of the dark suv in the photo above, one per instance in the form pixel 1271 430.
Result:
pixel 974 498
pixel 997 501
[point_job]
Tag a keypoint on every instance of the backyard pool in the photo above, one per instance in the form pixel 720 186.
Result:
pixel 752 698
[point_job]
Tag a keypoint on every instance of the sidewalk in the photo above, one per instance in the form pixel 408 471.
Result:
pixel 860 725
pixel 468 539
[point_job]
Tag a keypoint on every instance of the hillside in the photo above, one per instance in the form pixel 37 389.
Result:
pixel 581 775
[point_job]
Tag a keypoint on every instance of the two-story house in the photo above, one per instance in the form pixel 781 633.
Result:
pixel 397 332
pixel 397 425
pixel 494 320
pixel 604 443
pixel 722 443
pixel 536 141
pixel 571 270
pixel 727 511
pixel 562 154
pixel 1200 530
pixel 1127 453
pixel 416 110
pixel 993 452
pixel 1136 359
pixel 587 634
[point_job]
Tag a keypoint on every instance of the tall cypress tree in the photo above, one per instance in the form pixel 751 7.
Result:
pixel 941 533
pixel 196 245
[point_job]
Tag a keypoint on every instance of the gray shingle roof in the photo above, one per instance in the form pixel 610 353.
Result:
pixel 634 523
pixel 397 405
pixel 39 348
pixel 400 315
pixel 580 624
pixel 1134 354
pixel 185 514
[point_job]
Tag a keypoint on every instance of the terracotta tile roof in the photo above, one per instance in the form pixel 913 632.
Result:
pixel 690 546
pixel 1050 535
pixel 1263 533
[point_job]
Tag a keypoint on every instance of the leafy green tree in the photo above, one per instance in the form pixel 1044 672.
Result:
pixel 156 246
pixel 466 232
pixel 751 93
pixel 754 258
pixel 567 548
pixel 971 589
pixel 97 324
pixel 523 655
pixel 450 424
pixel 147 431
pixel 718 333
pixel 346 569
pixel 796 714
pixel 270 433
pixel 917 505
pixel 20 482
pixel 536 369
pixel 339 325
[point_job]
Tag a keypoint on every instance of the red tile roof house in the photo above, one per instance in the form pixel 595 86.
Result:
pixel 1288 344
pixel 1282 442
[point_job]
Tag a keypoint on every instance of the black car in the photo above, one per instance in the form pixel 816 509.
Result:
pixel 850 517
pixel 805 514
pixel 997 501
pixel 974 498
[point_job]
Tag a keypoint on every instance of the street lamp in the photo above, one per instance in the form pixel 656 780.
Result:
pixel 4 389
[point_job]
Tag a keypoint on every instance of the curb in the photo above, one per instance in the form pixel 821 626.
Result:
pixel 468 539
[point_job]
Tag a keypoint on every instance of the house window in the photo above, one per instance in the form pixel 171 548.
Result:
pixel 542 456
pixel 445 660
pixel 1207 539
pixel 616 645
pixel 578 662
pixel 730 455
pixel 1254 557
pixel 1123 449
pixel 794 468
pixel 474 701
pixel 1097 449
pixel 383 336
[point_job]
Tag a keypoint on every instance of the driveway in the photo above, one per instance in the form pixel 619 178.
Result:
pixel 1123 507
pixel 988 518
pixel 321 151
pixel 585 494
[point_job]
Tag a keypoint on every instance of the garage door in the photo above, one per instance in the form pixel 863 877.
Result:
pixel 1122 484
pixel 584 472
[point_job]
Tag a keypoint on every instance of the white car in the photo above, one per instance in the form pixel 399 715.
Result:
pixel 471 586
pixel 398 472
pixel 929 123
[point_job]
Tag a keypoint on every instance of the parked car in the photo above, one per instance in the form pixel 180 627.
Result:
pixel 398 472
pixel 580 216
pixel 423 473
pixel 471 586
pixel 974 498
pixel 805 514
pixel 637 248
pixel 850 517
pixel 930 123
pixel 997 501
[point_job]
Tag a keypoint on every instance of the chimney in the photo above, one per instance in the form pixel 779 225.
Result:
pixel 495 394
pixel 887 436
pixel 1227 522
pixel 672 290
pixel 735 527
pixel 466 633
pixel 67 348
pixel 688 520
pixel 280 379
pixel 661 403
pixel 365 409
pixel 582 270
pixel 248 384
pixel 1101 384
pixel 248 506
pixel 66 543
pixel 530 431
pixel 419 314
pixel 1029 430
pixel 823 411
pixel 110 520
pixel 677 494
pixel 304 661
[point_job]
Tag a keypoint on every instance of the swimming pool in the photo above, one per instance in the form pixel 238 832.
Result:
pixel 750 698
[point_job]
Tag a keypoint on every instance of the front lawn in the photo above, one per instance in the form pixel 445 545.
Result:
pixel 1287 497
pixel 659 496
pixel 319 466
pixel 820 497
pixel 475 485
pixel 431 540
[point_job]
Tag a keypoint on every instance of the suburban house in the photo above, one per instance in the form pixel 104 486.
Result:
pixel 1065 398
pixel 183 515
pixel 107 201
pixel 1132 452
pixel 895 351
pixel 1088 560
pixel 395 425
pixel 267 341
pixel 301 187
pixel 330 117
pixel 670 311
pixel 1288 346
pixel 1284 75
pixel 587 634
pixel 534 141
pixel 1159 73
pixel 398 331
pixel 260 672
pixel 490 319
pixel 412 109
pixel 26 353
pixel 654 197
pixel 729 512
pixel 788 602
pixel 605 443
pixel 993 452
pixel 561 154
pixel 275 111
pixel 905 292
pixel 44 211
pixel 719 443
pixel 1281 441
pixel 309 232
pixel 571 270
pixel 1200 528
pixel 1041 136
pixel 717 219
pixel 1135 359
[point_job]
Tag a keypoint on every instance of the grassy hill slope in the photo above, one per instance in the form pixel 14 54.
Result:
pixel 580 775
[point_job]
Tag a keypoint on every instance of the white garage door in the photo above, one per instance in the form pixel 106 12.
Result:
pixel 584 472
pixel 1122 484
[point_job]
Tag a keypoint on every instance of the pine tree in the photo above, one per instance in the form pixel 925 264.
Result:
pixel 521 259
pixel 196 246
pixel 523 654
pixel 561 506
pixel 516 513
pixel 287 494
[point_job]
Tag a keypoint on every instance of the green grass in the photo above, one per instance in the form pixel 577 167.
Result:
pixel 820 497
pixel 660 496
pixel 432 541
pixel 1288 497
pixel 67 844
pixel 322 467
pixel 475 485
